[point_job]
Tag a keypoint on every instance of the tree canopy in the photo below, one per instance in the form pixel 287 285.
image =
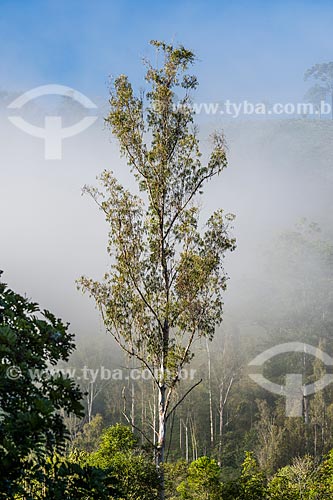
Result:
pixel 31 396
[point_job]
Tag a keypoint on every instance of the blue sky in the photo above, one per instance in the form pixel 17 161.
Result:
pixel 246 50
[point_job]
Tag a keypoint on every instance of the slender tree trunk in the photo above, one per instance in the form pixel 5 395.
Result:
pixel 186 444
pixel 180 437
pixel 210 397
pixel 306 410
pixel 193 440
pixel 220 425
pixel 133 407
pixel 90 400
pixel 154 416
pixel 142 412
pixel 223 401
pixel 161 437
pixel 161 424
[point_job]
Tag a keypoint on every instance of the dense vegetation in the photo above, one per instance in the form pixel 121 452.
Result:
pixel 228 438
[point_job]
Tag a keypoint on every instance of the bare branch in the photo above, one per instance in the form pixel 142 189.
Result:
pixel 139 430
pixel 182 398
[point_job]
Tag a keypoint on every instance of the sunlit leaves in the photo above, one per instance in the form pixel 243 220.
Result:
pixel 166 279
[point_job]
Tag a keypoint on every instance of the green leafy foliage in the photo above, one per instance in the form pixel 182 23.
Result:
pixel 202 482
pixel 175 474
pixel 89 437
pixel 252 480
pixel 68 478
pixel 31 396
pixel 322 482
pixel 131 470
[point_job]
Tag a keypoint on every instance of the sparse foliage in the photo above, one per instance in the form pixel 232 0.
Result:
pixel 166 282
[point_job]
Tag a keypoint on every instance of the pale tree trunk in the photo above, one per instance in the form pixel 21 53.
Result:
pixel 180 436
pixel 306 410
pixel 133 407
pixel 152 408
pixel 186 444
pixel 184 425
pixel 223 401
pixel 143 410
pixel 90 400
pixel 161 424
pixel 193 440
pixel 161 437
pixel 220 425
pixel 210 397
pixel 92 394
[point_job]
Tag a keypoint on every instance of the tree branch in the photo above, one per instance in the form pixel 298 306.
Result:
pixel 139 430
pixel 182 399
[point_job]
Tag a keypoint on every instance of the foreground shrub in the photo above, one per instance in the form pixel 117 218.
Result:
pixel 202 482
pixel 131 470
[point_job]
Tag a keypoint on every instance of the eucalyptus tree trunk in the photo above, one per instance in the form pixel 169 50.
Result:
pixel 160 455
pixel 211 421
pixel 187 454
pixel 133 407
